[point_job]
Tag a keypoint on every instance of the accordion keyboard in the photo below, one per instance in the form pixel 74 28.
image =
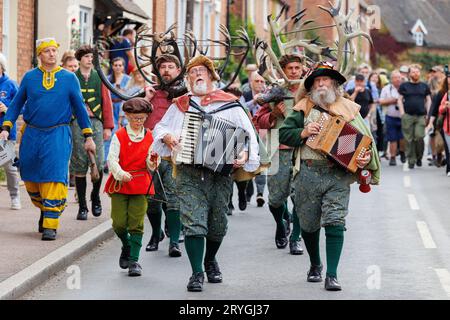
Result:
pixel 189 137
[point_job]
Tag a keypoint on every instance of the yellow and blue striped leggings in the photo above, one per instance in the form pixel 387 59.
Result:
pixel 50 198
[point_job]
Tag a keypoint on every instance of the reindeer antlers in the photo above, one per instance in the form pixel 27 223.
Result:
pixel 346 34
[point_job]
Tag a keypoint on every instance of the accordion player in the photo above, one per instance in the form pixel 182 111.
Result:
pixel 340 141
pixel 211 142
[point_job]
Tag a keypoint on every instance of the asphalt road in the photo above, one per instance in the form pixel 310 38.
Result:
pixel 396 247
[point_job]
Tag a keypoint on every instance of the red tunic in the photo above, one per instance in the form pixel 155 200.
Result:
pixel 132 159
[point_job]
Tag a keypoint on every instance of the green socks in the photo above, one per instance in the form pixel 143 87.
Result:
pixel 154 213
pixel 311 240
pixel 295 235
pixel 334 242
pixel 174 225
pixel 195 248
pixel 135 246
pixel 211 250
pixel 124 237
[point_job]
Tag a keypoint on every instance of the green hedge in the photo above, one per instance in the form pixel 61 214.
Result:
pixel 428 60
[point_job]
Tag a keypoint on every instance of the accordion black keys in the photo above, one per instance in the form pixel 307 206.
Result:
pixel 211 142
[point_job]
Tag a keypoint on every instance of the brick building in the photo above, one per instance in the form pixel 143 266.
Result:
pixel 17 41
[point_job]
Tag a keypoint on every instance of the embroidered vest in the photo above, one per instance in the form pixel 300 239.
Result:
pixel 92 92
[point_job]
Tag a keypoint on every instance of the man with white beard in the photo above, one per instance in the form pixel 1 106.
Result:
pixel 322 188
pixel 204 194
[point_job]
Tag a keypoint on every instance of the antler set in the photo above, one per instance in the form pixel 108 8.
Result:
pixel 267 60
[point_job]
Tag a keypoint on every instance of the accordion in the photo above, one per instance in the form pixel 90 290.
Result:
pixel 7 152
pixel 210 142
pixel 340 141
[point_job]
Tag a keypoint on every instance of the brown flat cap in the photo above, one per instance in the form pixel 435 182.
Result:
pixel 203 61
pixel 137 105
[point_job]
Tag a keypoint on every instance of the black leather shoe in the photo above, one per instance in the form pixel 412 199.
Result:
pixel 195 283
pixel 49 235
pixel 96 206
pixel 260 200
pixel 332 284
pixel 152 245
pixel 314 274
pixel 174 250
pixel 281 242
pixel 40 223
pixel 124 256
pixel 242 204
pixel 419 162
pixel 213 272
pixel 134 269
pixel 82 213
pixel 402 157
pixel 411 166
pixel 295 248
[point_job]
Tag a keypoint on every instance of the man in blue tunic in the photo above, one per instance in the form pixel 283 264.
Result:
pixel 48 95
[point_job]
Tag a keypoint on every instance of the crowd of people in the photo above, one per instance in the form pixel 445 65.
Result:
pixel 135 141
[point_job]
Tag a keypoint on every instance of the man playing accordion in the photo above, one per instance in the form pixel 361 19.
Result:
pixel 322 187
pixel 203 193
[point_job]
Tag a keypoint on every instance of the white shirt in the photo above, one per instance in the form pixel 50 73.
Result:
pixel 114 152
pixel 389 92
pixel 172 123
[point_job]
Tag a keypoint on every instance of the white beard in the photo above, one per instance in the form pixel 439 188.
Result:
pixel 200 89
pixel 323 99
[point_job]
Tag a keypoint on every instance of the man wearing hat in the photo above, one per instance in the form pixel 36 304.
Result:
pixel 204 195
pixel 98 104
pixel 129 183
pixel 169 68
pixel 321 187
pixel 52 95
pixel 270 117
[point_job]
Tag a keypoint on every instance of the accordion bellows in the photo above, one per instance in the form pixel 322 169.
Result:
pixel 340 141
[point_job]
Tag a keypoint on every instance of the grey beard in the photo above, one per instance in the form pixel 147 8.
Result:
pixel 323 99
pixel 200 89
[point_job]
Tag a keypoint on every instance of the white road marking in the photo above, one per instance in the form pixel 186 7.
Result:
pixel 427 240
pixel 413 202
pixel 407 181
pixel 444 278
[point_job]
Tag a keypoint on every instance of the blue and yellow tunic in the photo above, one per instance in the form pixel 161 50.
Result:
pixel 49 100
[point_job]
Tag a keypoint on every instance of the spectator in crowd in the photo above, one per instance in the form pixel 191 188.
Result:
pixel 378 119
pixel 123 48
pixel 414 103
pixel 136 84
pixel 246 90
pixel 389 99
pixel 69 62
pixel 8 90
pixel 404 72
pixel 365 70
pixel 120 80
pixel 435 78
pixel 440 103
pixel 362 95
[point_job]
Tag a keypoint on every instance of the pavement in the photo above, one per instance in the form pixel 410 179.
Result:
pixel 26 260
pixel 396 247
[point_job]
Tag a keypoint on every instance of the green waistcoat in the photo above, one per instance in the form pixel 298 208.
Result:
pixel 92 92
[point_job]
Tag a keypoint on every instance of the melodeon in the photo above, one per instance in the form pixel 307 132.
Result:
pixel 211 142
pixel 340 141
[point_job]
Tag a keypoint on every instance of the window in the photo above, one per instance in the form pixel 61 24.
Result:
pixel 170 14
pixel 418 37
pixel 5 28
pixel 85 25
pixel 251 11
pixel 197 20
pixel 265 13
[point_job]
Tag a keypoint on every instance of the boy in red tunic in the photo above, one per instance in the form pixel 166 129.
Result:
pixel 129 183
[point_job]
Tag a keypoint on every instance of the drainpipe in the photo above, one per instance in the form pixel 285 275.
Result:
pixel 35 31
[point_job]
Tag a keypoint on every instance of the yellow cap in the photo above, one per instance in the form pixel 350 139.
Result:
pixel 42 44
